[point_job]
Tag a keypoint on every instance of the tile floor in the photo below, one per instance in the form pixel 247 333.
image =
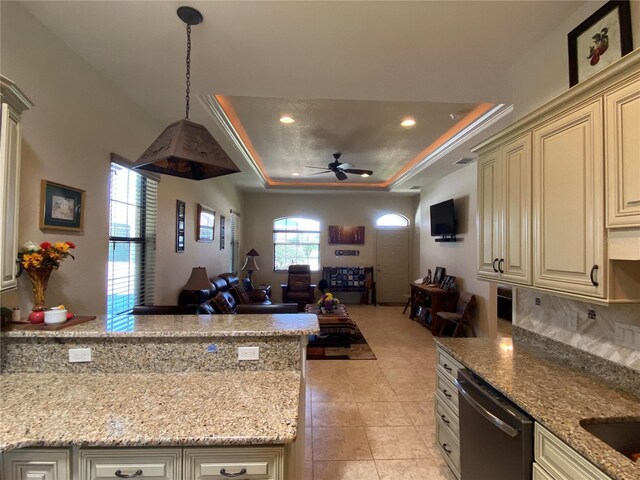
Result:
pixel 373 419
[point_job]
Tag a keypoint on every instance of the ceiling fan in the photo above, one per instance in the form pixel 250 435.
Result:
pixel 341 169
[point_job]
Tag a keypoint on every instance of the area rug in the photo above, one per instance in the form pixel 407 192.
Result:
pixel 330 347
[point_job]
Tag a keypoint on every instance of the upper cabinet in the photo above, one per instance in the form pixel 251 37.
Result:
pixel 504 201
pixel 559 193
pixel 14 102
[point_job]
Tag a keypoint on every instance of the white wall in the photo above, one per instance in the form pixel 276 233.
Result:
pixel 329 209
pixel 458 258
pixel 79 118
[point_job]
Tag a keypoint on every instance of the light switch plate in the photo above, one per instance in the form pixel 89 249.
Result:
pixel 248 353
pixel 79 355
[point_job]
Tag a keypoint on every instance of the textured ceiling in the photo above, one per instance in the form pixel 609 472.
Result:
pixel 380 57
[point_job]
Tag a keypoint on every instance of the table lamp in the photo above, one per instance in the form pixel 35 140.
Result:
pixel 197 288
pixel 250 264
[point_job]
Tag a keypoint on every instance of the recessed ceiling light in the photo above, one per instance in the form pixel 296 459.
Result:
pixel 365 175
pixel 408 122
pixel 295 174
pixel 286 119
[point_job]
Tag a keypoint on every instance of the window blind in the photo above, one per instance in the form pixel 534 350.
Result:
pixel 132 240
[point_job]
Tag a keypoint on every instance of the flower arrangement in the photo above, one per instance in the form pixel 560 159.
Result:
pixel 39 261
pixel 328 301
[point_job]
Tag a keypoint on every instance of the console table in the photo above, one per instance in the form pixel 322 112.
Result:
pixel 434 299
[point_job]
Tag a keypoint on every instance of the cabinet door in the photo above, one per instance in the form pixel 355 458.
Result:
pixel 259 463
pixel 568 227
pixel 488 215
pixel 515 261
pixel 144 463
pixel 37 464
pixel 622 123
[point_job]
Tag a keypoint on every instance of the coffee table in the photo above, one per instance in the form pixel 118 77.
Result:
pixel 335 324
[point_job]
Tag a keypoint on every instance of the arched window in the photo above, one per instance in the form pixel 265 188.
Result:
pixel 392 220
pixel 296 241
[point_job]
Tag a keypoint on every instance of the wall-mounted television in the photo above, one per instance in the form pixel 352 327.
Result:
pixel 443 219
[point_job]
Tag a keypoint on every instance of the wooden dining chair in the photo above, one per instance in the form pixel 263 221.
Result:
pixel 464 307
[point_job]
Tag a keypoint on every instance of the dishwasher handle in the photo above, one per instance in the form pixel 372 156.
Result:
pixel 505 427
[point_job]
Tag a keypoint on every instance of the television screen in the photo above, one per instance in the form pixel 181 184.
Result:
pixel 443 220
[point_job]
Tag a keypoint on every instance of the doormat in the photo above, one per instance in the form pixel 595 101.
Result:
pixel 332 347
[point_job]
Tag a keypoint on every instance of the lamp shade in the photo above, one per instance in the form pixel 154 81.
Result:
pixel 252 253
pixel 250 264
pixel 199 280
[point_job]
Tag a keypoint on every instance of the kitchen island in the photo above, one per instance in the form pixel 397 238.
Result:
pixel 557 392
pixel 160 381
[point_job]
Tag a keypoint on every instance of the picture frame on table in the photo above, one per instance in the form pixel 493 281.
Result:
pixel 206 224
pixel 61 207
pixel 600 40
pixel 438 276
pixel 448 283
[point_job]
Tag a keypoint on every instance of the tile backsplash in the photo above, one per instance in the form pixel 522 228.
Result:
pixel 591 328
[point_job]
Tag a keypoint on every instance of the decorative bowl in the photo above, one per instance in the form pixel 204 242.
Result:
pixel 54 317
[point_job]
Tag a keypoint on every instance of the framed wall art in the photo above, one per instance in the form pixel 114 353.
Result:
pixel 438 276
pixel 222 227
pixel 180 221
pixel 341 235
pixel 600 40
pixel 61 207
pixel 206 223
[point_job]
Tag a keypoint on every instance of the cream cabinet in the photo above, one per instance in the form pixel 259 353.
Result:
pixel 504 206
pixel 622 119
pixel 446 410
pixel 256 463
pixel 37 464
pixel 146 463
pixel 568 199
pixel 13 102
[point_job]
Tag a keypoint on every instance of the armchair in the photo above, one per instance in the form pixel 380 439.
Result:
pixel 298 288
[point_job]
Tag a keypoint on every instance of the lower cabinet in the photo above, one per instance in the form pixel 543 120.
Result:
pixel 242 463
pixel 555 460
pixel 446 410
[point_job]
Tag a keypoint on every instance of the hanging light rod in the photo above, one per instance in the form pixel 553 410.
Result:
pixel 187 149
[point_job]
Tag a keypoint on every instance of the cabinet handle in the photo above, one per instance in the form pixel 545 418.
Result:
pixel 447 368
pixel 119 474
pixel 500 263
pixel 224 473
pixel 593 270
pixel 446 393
pixel 444 447
pixel 444 419
pixel 494 265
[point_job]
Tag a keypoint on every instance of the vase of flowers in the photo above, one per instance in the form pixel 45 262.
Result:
pixel 39 261
pixel 328 302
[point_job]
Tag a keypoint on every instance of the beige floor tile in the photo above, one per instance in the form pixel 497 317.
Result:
pixel 354 470
pixel 336 415
pixel 394 443
pixel 404 375
pixel 392 361
pixel 428 435
pixel 307 414
pixel 308 445
pixel 376 392
pixel 383 414
pixel 341 443
pixel 308 470
pixel 418 392
pixel 420 413
pixel 338 392
pixel 414 469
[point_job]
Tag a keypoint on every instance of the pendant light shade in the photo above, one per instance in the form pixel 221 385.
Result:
pixel 187 149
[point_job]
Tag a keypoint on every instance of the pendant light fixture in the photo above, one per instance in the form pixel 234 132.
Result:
pixel 186 149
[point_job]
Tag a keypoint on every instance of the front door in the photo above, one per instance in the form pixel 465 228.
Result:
pixel 392 260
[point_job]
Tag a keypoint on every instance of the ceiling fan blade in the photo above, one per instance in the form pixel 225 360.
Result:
pixel 319 173
pixel 357 171
pixel 340 175
pixel 320 168
pixel 344 166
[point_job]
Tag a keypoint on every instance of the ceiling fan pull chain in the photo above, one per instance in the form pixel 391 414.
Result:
pixel 186 115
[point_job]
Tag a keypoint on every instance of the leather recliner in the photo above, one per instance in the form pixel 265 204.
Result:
pixel 298 288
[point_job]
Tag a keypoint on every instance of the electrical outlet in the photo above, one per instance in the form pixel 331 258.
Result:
pixel 572 321
pixel 538 301
pixel 591 314
pixel 248 353
pixel 79 355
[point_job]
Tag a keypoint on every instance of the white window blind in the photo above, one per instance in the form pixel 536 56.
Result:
pixel 234 223
pixel 132 240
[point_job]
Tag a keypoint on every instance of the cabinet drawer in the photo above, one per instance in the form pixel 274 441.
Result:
pixel 448 364
pixel 36 464
pixel 152 464
pixel 560 460
pixel 258 463
pixel 539 473
pixel 448 446
pixel 447 416
pixel 446 389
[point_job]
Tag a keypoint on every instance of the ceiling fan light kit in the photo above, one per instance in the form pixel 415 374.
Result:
pixel 187 149
pixel 341 169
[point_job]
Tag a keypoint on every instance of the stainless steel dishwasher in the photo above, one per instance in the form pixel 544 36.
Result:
pixel 496 437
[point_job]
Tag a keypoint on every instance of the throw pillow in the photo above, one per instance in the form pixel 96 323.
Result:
pixel 221 303
pixel 241 295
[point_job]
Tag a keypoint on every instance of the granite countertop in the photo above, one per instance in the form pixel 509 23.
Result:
pixel 148 409
pixel 556 395
pixel 180 326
